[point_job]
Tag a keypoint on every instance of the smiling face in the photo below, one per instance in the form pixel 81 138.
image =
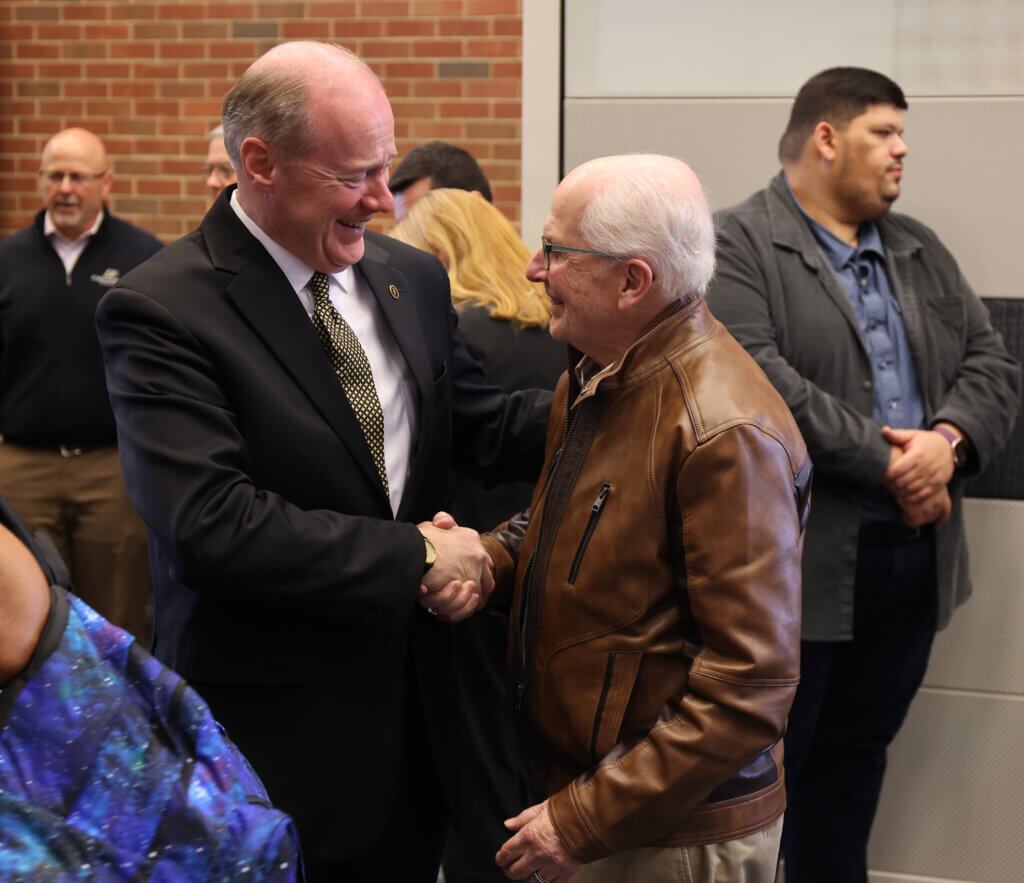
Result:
pixel 317 206
pixel 74 207
pixel 868 164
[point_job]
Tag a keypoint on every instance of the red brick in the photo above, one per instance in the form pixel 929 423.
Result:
pixel 437 49
pixel 38 125
pixel 218 88
pixel 85 49
pixel 37 12
pixel 59 32
pixel 145 70
pixel 37 50
pixel 295 30
pixel 465 27
pixel 230 10
pixel 233 49
pixel 358 28
pixel 385 49
pixel 147 108
pixel 184 127
pixel 17 71
pixel 438 88
pixel 132 50
pixel 83 12
pixel 134 126
pixel 64 107
pixel 507 69
pixel 182 89
pixel 182 50
pixel 155 30
pixel 86 89
pixel 201 108
pixel 183 167
pixel 204 69
pixel 332 10
pixel 189 11
pixel 121 185
pixel 492 48
pixel 134 89
pixel 185 206
pixel 507 150
pixel 385 8
pixel 60 71
pixel 16 32
pixel 280 10
pixel 119 146
pixel 159 187
pixel 492 88
pixel 508 27
pixel 411 69
pixel 493 7
pixel 143 206
pixel 463 109
pixel 105 108
pixel 416 27
pixel 204 30
pixel 38 89
pixel 423 129
pixel 108 70
pixel 155 147
pixel 133 11
pixel 437 7
pixel 415 109
pixel 398 90
pixel 107 32
pixel 507 110
pixel 478 129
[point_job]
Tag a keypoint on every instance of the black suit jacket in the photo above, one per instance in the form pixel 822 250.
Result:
pixel 275 557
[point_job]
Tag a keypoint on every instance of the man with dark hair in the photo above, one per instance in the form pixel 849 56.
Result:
pixel 59 465
pixel 289 390
pixel 431 166
pixel 902 389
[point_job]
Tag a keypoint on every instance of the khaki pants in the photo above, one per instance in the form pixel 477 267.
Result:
pixel 749 859
pixel 80 500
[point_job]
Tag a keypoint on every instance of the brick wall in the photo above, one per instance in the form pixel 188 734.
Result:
pixel 149 77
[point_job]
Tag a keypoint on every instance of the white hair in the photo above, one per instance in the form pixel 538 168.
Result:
pixel 649 209
pixel 216 132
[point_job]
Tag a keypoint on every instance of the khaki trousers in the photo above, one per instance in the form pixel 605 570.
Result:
pixel 748 859
pixel 79 498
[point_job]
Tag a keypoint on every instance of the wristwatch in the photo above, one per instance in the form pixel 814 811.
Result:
pixel 431 555
pixel 958 444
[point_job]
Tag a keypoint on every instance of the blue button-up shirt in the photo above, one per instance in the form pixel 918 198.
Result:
pixel 862 271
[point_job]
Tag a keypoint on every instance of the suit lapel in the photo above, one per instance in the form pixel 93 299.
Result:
pixel 262 295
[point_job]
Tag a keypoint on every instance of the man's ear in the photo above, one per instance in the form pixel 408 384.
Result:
pixel 259 162
pixel 636 283
pixel 824 139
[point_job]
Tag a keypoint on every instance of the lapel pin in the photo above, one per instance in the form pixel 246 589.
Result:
pixel 394 291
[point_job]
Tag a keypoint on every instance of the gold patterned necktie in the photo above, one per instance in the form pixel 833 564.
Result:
pixel 353 369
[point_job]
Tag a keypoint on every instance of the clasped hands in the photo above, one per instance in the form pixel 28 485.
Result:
pixel 920 467
pixel 462 577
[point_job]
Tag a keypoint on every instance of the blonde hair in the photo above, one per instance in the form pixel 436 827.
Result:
pixel 484 256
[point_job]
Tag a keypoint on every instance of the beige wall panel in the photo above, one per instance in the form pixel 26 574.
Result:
pixel 982 648
pixel 963 176
pixel 951 804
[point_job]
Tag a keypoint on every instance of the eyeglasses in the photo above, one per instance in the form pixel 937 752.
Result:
pixel 77 178
pixel 548 247
pixel 223 170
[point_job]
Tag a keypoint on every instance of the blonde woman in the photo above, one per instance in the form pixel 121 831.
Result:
pixel 503 319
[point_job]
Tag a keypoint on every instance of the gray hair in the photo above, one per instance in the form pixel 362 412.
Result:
pixel 216 132
pixel 271 102
pixel 643 214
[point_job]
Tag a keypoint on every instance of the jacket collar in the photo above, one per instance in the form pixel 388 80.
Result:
pixel 677 327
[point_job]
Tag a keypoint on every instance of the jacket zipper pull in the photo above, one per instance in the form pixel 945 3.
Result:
pixel 598 504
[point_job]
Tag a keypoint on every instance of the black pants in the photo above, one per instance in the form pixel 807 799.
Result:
pixel 852 699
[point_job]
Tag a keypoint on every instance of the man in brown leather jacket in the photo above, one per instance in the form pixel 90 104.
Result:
pixel 655 584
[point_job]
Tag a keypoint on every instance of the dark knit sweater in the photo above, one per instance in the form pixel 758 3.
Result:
pixel 52 386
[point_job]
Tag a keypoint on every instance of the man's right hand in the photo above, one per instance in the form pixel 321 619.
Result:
pixel 462 576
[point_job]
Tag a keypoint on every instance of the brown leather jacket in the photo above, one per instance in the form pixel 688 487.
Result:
pixel 655 624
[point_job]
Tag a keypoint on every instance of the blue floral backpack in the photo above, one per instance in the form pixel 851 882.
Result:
pixel 112 768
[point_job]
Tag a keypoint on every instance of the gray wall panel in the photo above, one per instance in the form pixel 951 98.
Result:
pixel 962 178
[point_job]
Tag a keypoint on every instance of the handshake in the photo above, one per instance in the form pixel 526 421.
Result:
pixel 462 576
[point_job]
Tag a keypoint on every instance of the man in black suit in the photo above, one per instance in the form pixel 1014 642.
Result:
pixel 281 489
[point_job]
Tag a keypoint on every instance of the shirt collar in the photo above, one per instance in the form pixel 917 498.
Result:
pixel 840 253
pixel 50 228
pixel 297 271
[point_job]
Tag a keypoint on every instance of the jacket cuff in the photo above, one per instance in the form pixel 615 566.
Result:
pixel 504 573
pixel 574 827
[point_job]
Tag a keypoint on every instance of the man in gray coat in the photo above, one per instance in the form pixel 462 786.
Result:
pixel 902 389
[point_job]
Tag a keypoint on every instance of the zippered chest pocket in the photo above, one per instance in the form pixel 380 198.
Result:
pixel 596 509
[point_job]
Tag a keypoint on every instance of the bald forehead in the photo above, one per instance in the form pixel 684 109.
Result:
pixel 318 64
pixel 78 145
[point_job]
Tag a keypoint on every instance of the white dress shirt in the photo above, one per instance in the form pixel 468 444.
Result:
pixel 69 250
pixel 354 300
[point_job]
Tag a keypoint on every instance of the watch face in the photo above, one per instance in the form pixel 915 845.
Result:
pixel 959 452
